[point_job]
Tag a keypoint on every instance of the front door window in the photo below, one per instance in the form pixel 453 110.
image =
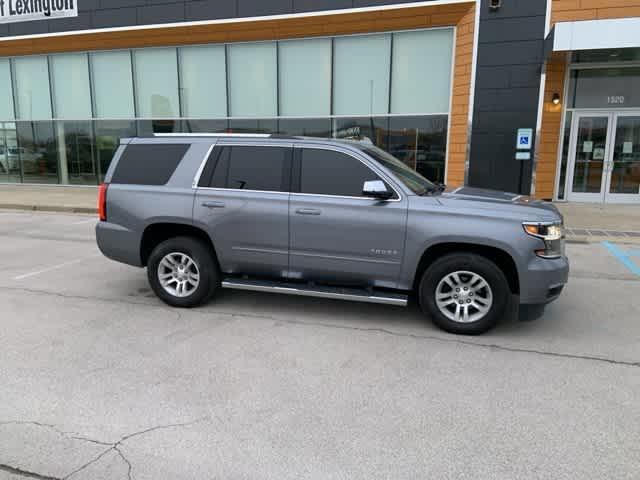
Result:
pixel 590 154
pixel 625 174
pixel 606 158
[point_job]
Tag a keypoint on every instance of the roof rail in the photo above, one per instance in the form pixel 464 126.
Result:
pixel 259 135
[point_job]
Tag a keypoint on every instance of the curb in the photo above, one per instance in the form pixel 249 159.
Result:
pixel 48 208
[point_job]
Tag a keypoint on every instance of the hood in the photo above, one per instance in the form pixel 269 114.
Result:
pixel 498 201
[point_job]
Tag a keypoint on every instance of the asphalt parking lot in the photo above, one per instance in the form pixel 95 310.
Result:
pixel 99 380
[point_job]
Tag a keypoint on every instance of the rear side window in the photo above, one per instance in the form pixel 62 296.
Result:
pixel 326 172
pixel 250 168
pixel 149 164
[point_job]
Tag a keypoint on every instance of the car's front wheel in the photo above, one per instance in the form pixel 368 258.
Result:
pixel 183 272
pixel 464 293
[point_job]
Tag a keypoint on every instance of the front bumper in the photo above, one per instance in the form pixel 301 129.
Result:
pixel 544 280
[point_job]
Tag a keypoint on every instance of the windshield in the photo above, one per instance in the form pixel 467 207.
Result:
pixel 412 179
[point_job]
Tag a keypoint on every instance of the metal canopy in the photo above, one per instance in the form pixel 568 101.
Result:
pixel 594 35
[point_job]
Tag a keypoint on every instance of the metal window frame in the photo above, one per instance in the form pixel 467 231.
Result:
pixel 222 143
pixel 362 158
pixel 293 145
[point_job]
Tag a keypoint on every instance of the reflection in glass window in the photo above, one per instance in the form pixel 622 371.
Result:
pixel 361 75
pixel 6 97
pixel 205 126
pixel 566 143
pixel 305 77
pixel 421 143
pixel 253 126
pixel 38 152
pixel 607 55
pixel 256 168
pixel 421 81
pixel 70 81
pixel 253 79
pixel 203 82
pixel 79 152
pixel 112 84
pixel 604 88
pixel 368 129
pixel 308 127
pixel 9 153
pixel 32 88
pixel 318 173
pixel 108 135
pixel 156 73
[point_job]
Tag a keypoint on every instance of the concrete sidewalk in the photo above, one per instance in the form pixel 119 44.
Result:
pixel 590 222
pixel 49 198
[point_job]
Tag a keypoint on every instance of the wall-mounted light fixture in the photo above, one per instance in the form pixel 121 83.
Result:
pixel 556 99
pixel 494 5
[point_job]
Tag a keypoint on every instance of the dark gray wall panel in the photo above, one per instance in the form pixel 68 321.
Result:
pixel 161 13
pixel 123 13
pixel 510 56
pixel 250 8
pixel 113 17
pixel 311 5
pixel 208 10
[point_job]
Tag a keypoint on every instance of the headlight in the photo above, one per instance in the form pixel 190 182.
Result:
pixel 552 234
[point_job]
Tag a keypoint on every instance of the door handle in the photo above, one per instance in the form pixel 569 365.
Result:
pixel 213 204
pixel 308 211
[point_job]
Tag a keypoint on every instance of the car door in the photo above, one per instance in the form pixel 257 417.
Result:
pixel 337 234
pixel 242 202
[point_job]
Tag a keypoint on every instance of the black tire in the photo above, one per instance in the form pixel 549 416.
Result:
pixel 466 262
pixel 205 261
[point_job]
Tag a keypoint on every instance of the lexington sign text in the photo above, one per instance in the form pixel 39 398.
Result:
pixel 27 10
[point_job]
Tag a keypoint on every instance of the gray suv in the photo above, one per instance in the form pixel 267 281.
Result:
pixel 323 218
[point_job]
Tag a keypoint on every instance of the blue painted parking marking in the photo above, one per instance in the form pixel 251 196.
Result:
pixel 624 256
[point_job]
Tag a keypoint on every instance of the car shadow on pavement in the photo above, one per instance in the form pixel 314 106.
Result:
pixel 309 310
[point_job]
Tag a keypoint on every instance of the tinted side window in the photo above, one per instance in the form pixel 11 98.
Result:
pixel 252 168
pixel 149 164
pixel 326 172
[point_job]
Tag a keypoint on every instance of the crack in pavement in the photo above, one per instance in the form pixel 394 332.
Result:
pixel 24 473
pixel 113 447
pixel 453 339
pixel 460 341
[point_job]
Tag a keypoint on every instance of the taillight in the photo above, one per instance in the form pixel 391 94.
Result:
pixel 102 201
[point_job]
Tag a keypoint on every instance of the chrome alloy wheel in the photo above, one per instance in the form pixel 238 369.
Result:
pixel 178 274
pixel 464 297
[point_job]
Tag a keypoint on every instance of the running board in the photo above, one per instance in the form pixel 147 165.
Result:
pixel 336 293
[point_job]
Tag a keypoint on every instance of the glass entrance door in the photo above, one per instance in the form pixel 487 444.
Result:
pixel 624 162
pixel 605 148
pixel 590 151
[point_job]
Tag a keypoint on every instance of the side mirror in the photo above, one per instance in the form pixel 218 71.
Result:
pixel 376 189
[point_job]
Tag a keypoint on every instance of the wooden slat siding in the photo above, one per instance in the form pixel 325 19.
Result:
pixel 460 15
pixel 550 129
pixel 574 10
pixel 458 133
pixel 338 24
pixel 567 11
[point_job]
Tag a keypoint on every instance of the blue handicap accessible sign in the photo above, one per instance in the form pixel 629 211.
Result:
pixel 524 138
pixel 626 257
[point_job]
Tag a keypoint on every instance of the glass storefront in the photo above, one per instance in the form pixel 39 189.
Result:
pixel 599 158
pixel 62 115
pixel 79 153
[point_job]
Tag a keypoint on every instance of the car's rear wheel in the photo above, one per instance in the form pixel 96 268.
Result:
pixel 464 293
pixel 183 272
